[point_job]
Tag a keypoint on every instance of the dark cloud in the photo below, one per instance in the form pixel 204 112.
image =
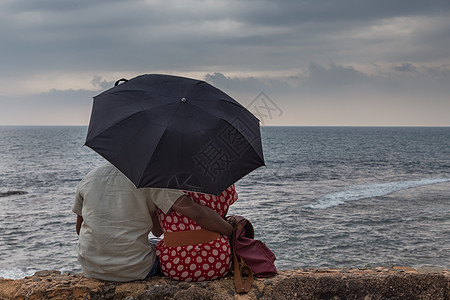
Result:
pixel 242 85
pixel 316 95
pixel 294 12
pixel 192 35
pixel 56 99
pixel 333 79
pixel 302 47
pixel 406 67
pixel 318 80
pixel 334 76
pixel 102 84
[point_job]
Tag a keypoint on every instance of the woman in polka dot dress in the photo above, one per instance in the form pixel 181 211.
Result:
pixel 198 262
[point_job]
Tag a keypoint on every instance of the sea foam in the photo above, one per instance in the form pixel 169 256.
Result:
pixel 358 192
pixel 16 273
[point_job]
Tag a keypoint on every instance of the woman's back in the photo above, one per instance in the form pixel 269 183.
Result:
pixel 196 262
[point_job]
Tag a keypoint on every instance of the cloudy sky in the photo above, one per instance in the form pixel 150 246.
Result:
pixel 291 62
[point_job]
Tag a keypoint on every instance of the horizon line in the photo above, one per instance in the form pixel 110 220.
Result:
pixel 65 125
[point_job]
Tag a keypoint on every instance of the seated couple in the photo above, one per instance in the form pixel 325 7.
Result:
pixel 114 220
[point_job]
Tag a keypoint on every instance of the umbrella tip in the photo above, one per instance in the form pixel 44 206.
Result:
pixel 183 100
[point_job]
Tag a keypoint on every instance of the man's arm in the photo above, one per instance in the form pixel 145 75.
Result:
pixel 79 222
pixel 206 217
pixel 156 230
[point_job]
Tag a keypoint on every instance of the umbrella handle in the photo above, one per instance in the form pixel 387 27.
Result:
pixel 118 81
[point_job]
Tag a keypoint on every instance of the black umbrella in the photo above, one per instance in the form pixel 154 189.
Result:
pixel 175 132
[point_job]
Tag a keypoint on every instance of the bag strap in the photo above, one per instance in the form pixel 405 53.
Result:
pixel 240 269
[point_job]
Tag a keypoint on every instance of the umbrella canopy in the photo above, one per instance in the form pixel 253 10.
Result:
pixel 175 132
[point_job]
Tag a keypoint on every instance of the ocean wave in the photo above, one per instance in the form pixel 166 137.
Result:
pixel 359 192
pixel 12 193
pixel 17 273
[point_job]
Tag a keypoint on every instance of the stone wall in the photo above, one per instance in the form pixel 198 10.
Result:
pixel 368 284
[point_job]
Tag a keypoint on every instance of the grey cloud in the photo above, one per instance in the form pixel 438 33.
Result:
pixel 349 12
pixel 247 88
pixel 44 5
pixel 102 84
pixel 321 44
pixel 442 72
pixel 61 98
pixel 334 76
pixel 319 86
pixel 243 85
pixel 333 79
pixel 112 35
pixel 406 67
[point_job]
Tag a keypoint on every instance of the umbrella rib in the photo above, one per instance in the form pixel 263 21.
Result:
pixel 115 123
pixel 242 108
pixel 230 124
pixel 149 157
pixel 224 100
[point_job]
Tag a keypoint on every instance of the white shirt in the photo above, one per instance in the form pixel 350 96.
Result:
pixel 113 242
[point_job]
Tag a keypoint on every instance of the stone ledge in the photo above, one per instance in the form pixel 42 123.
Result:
pixel 377 283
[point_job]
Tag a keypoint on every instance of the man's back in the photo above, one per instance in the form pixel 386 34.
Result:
pixel 113 242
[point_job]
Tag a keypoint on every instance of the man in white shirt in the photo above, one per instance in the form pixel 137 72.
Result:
pixel 114 219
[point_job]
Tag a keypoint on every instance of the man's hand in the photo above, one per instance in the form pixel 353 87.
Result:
pixel 156 230
pixel 206 217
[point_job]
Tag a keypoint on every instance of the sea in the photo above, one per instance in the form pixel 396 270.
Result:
pixel 328 197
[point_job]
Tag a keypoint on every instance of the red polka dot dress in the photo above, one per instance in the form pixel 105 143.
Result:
pixel 198 262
